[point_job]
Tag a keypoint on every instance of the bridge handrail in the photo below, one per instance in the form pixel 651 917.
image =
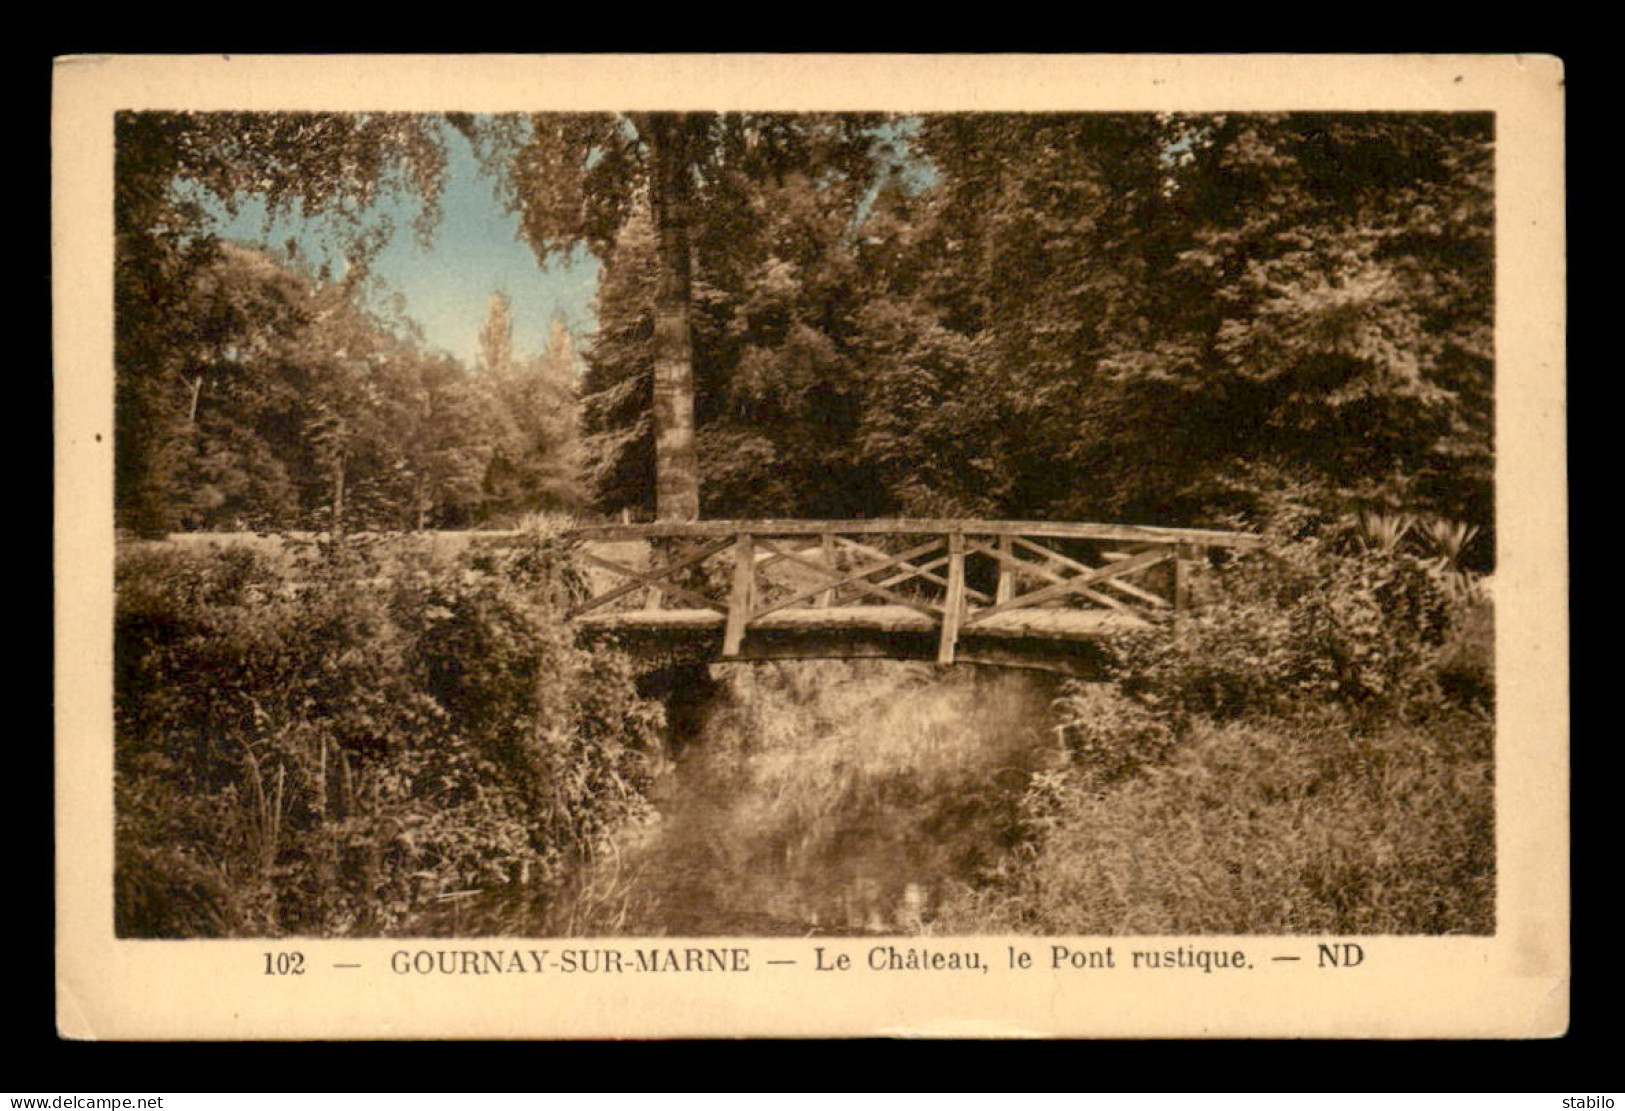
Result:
pixel 1150 534
pixel 1023 551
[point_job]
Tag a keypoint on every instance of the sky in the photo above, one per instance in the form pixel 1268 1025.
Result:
pixel 476 252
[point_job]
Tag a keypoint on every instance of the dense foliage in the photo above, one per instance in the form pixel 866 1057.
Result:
pixel 334 739
pixel 1313 752
pixel 1161 319
pixel 1259 827
pixel 1165 319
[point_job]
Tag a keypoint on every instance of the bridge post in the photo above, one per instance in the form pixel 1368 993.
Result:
pixel 743 597
pixel 953 606
pixel 653 597
pixel 826 542
pixel 1183 553
pixel 1007 579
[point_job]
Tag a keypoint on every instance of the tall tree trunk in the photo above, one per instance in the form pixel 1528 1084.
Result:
pixel 677 469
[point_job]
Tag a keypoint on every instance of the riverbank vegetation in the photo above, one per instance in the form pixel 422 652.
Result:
pixel 394 736
pixel 1313 752
pixel 349 738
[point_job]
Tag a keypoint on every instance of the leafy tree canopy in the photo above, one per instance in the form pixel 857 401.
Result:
pixel 1160 318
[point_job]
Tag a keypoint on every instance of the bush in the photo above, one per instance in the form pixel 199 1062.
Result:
pixel 1109 736
pixel 331 738
pixel 1465 668
pixel 1300 624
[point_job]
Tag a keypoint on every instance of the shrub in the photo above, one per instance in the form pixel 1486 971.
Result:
pixel 1465 669
pixel 329 738
pixel 1109 736
pixel 1299 624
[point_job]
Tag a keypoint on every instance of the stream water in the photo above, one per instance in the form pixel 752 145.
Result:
pixel 825 798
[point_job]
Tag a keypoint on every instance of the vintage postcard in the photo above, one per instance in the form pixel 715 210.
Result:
pixel 996 546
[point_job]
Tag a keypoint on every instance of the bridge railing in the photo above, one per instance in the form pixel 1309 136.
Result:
pixel 959 574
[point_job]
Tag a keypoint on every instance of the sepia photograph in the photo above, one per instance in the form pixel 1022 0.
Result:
pixel 900 527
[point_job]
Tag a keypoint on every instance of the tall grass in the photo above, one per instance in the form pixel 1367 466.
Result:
pixel 1261 827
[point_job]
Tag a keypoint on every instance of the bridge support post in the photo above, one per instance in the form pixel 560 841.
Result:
pixel 743 597
pixel 653 597
pixel 826 544
pixel 1007 579
pixel 953 606
pixel 1183 554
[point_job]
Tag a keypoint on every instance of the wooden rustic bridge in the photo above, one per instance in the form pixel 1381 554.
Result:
pixel 1009 593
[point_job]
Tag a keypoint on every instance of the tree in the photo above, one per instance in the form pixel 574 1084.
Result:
pixel 251 390
pixel 574 179
pixel 578 179
pixel 675 146
pixel 496 337
pixel 1170 319
pixel 1179 319
pixel 304 409
pixel 1324 313
pixel 781 398
pixel 449 443
pixel 617 412
pixel 226 341
pixel 331 167
pixel 776 402
pixel 536 461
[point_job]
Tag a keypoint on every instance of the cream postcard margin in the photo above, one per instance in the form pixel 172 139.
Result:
pixel 1512 985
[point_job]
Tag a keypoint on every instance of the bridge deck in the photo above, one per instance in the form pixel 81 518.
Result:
pixel 1045 624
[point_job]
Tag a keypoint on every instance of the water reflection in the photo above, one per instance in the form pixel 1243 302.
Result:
pixel 822 799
